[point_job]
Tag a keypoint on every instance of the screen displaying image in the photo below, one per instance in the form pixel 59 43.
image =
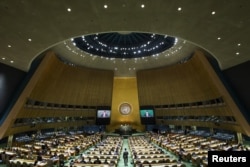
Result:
pixel 147 113
pixel 103 113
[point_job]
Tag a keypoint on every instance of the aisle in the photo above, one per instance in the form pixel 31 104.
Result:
pixel 121 162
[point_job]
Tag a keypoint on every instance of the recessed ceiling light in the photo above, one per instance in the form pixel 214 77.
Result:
pixel 69 10
pixel 105 6
pixel 30 39
pixel 219 38
pixel 213 13
pixel 239 44
pixel 179 9
pixel 9 46
pixel 11 61
pixel 3 58
pixel 142 6
pixel 237 53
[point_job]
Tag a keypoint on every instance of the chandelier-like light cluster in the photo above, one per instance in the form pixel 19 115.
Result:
pixel 124 45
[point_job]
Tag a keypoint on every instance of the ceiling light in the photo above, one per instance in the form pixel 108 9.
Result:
pixel 213 13
pixel 3 58
pixel 105 6
pixel 142 6
pixel 239 44
pixel 219 38
pixel 179 9
pixel 69 10
pixel 11 61
pixel 9 46
pixel 237 53
pixel 30 39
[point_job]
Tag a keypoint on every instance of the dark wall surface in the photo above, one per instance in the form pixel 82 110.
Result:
pixel 238 78
pixel 10 79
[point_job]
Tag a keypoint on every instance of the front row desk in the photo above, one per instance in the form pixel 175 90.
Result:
pixel 125 130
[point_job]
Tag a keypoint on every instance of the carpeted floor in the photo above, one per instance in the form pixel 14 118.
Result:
pixel 121 161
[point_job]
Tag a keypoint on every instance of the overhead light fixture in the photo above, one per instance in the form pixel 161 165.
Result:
pixel 29 39
pixel 219 38
pixel 3 58
pixel 179 9
pixel 69 10
pixel 237 53
pixel 9 46
pixel 142 6
pixel 11 61
pixel 213 13
pixel 239 44
pixel 105 6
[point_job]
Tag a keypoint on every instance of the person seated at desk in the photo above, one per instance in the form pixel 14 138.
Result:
pixel 106 161
pixel 38 159
pixel 83 161
pixel 61 160
pixel 89 161
pixel 180 153
pixel 97 161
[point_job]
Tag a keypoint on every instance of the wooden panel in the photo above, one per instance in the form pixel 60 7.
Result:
pixel 125 91
pixel 22 129
pixel 226 126
pixel 23 97
pixel 64 84
pixel 216 111
pixel 34 113
pixel 180 83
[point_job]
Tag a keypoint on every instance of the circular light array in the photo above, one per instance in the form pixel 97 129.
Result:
pixel 124 45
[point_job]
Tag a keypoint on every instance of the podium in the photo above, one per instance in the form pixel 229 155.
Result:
pixel 125 130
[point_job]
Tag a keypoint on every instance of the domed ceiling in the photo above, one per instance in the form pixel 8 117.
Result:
pixel 124 52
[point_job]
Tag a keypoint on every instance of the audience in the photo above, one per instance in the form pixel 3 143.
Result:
pixel 150 149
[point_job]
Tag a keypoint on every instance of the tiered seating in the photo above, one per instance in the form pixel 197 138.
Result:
pixel 106 152
pixel 145 153
pixel 192 148
pixel 48 152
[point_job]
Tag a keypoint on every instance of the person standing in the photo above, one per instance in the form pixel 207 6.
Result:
pixel 125 157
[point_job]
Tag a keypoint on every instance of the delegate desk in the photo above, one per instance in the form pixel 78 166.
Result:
pixel 161 165
pixel 90 165
pixel 29 162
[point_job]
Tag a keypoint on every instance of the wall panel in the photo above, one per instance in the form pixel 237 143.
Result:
pixel 181 83
pixel 64 84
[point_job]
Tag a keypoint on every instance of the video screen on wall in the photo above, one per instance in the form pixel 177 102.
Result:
pixel 103 115
pixel 147 115
pixel 147 112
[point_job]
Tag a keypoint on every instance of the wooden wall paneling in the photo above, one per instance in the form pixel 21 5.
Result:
pixel 179 83
pixel 21 129
pixel 225 126
pixel 64 84
pixel 223 91
pixel 219 111
pixel 23 97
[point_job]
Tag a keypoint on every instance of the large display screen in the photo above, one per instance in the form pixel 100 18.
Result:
pixel 103 115
pixel 147 115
